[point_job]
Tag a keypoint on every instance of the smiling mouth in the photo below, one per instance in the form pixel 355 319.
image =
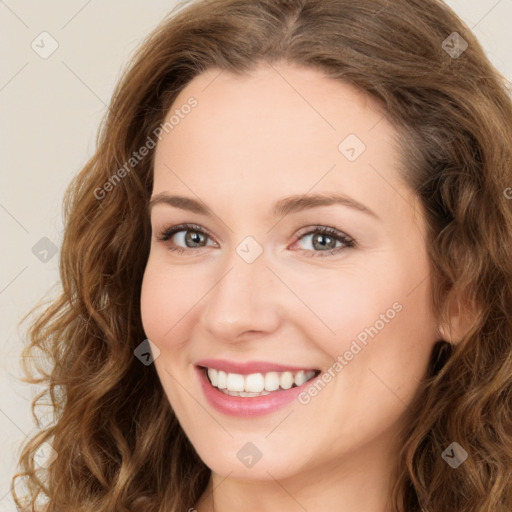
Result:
pixel 257 384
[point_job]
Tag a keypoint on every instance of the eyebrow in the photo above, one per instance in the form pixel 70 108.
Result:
pixel 280 208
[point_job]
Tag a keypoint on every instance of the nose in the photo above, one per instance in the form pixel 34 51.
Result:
pixel 246 299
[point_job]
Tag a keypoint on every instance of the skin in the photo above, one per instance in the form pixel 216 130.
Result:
pixel 250 141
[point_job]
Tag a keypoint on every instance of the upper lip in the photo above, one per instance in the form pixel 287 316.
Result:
pixel 249 367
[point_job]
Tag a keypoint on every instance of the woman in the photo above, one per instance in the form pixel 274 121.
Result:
pixel 205 355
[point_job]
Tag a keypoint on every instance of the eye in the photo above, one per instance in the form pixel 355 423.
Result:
pixel 325 239
pixel 193 236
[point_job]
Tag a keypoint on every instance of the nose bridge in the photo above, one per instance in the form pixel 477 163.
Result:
pixel 244 297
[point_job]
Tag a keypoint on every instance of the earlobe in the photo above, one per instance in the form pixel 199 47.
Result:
pixel 447 334
pixel 462 317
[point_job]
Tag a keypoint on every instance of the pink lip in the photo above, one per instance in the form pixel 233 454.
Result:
pixel 248 406
pixel 249 367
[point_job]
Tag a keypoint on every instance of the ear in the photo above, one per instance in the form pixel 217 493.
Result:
pixel 463 315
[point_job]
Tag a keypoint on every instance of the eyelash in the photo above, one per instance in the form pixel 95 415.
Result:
pixel 348 242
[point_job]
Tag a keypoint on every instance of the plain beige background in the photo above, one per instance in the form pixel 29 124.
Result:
pixel 51 107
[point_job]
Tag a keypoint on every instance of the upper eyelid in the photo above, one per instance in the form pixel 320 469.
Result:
pixel 181 226
pixel 191 227
pixel 177 228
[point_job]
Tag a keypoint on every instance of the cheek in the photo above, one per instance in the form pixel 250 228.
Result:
pixel 381 316
pixel 342 304
pixel 386 353
pixel 160 304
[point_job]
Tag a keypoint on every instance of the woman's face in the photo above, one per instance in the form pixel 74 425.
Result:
pixel 255 287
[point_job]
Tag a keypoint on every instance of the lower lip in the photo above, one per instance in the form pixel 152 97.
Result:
pixel 248 406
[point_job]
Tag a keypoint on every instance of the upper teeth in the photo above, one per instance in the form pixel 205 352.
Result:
pixel 258 382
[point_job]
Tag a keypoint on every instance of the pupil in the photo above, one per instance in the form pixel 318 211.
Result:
pixel 320 237
pixel 193 236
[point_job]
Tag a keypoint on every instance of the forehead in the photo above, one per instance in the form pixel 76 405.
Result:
pixel 280 130
pixel 271 97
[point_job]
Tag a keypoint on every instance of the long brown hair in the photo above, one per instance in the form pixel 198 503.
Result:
pixel 118 444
